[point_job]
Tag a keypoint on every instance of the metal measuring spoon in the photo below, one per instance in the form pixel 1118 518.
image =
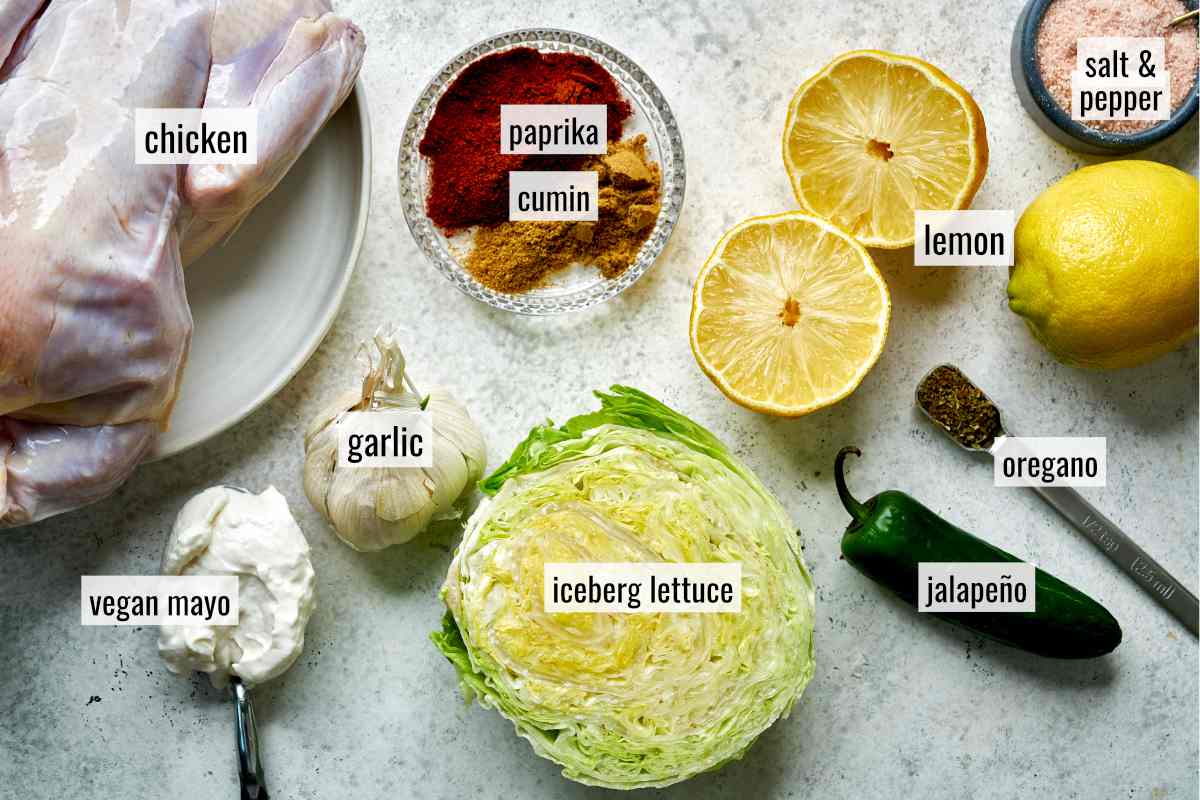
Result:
pixel 1103 532
pixel 250 770
pixel 1193 14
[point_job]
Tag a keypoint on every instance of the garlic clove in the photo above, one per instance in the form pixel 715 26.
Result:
pixel 452 422
pixel 328 415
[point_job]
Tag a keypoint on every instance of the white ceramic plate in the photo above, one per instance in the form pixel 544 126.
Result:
pixel 264 300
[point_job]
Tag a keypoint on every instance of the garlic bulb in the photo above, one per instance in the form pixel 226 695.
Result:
pixel 373 508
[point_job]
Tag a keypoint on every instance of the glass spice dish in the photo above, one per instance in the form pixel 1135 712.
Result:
pixel 575 288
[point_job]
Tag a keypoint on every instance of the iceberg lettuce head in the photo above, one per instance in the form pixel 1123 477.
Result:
pixel 629 700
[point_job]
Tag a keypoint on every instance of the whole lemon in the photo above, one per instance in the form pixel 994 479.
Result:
pixel 1107 264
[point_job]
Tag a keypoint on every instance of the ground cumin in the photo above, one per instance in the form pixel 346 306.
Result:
pixel 514 257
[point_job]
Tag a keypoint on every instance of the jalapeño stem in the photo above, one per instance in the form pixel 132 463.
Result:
pixel 856 509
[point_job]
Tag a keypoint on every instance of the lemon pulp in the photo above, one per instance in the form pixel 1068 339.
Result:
pixel 788 314
pixel 875 136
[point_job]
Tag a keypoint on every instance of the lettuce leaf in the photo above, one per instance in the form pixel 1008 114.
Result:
pixel 547 445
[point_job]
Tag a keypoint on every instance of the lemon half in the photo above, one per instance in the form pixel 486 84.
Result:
pixel 789 314
pixel 874 136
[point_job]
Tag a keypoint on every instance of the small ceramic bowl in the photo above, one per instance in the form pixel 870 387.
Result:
pixel 1056 121
pixel 573 289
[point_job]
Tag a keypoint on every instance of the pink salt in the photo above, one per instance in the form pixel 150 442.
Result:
pixel 1066 21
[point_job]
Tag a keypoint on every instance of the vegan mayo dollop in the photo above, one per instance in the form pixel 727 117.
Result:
pixel 226 531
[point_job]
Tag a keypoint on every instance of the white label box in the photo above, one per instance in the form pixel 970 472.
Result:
pixel 1120 78
pixel 195 135
pixel 642 587
pixel 554 129
pixel 554 196
pixel 372 439
pixel 158 600
pixel 1137 57
pixel 976 586
pixel 982 238
pixel 1051 461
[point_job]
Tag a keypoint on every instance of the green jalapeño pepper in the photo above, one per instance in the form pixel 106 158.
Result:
pixel 892 533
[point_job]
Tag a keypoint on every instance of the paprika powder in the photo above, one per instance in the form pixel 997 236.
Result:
pixel 468 174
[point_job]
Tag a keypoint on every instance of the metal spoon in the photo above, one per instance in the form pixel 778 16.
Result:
pixel 1103 532
pixel 1184 18
pixel 250 769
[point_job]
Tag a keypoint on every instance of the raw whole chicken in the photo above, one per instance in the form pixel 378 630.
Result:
pixel 94 321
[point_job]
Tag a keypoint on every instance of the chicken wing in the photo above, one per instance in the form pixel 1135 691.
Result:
pixel 294 61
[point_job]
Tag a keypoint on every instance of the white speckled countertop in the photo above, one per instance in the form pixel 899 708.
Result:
pixel 901 705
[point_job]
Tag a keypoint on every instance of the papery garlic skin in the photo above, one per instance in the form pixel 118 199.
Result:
pixel 374 508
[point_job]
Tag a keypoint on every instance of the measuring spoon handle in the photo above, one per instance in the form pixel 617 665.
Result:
pixel 250 771
pixel 1125 553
